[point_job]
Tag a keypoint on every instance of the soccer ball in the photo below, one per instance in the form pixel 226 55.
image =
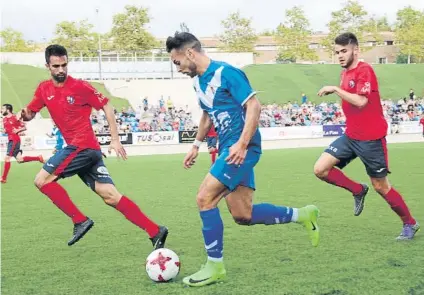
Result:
pixel 162 265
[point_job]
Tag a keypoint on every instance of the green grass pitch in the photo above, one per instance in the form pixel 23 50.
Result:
pixel 357 255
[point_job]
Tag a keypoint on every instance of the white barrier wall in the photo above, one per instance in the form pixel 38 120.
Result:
pixel 319 134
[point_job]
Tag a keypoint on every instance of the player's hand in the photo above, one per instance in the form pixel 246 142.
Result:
pixel 237 154
pixel 326 90
pixel 190 158
pixel 19 114
pixel 118 148
pixel 212 150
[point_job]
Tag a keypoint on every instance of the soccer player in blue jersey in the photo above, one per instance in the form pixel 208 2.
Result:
pixel 60 142
pixel 229 102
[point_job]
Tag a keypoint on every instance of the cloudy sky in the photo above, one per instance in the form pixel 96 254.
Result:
pixel 37 18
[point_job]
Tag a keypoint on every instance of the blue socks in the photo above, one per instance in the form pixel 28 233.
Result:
pixel 213 232
pixel 213 228
pixel 269 214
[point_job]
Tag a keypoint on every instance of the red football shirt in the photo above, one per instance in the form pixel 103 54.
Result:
pixel 70 108
pixel 365 123
pixel 10 123
pixel 212 132
pixel 422 123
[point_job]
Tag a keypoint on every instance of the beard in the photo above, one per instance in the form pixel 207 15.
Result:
pixel 349 62
pixel 60 78
pixel 193 70
pixel 5 114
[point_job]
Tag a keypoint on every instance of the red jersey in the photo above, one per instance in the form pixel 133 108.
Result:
pixel 212 132
pixel 365 123
pixel 11 123
pixel 70 108
pixel 422 123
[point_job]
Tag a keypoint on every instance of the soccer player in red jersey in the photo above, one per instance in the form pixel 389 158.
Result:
pixel 422 122
pixel 365 135
pixel 212 140
pixel 13 127
pixel 69 102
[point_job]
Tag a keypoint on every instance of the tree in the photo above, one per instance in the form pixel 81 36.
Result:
pixel 129 32
pixel 351 18
pixel 374 26
pixel 13 41
pixel 293 37
pixel 409 33
pixel 267 33
pixel 77 37
pixel 238 35
pixel 383 25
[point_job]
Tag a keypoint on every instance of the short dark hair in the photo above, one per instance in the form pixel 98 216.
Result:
pixel 55 50
pixel 346 39
pixel 181 40
pixel 8 106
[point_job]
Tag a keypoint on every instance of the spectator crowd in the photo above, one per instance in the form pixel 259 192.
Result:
pixel 147 117
pixel 307 114
pixel 164 116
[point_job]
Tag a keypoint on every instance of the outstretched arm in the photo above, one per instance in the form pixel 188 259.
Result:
pixel 37 103
pixel 26 115
pixel 205 125
pixel 253 112
pixel 355 99
pixel 19 130
pixel 115 143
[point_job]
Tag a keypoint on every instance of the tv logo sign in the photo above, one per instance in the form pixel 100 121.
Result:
pixel 333 130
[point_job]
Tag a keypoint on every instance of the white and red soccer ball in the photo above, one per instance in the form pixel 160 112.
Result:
pixel 162 265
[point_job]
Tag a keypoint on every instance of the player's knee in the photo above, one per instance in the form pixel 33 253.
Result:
pixel 39 182
pixel 204 200
pixel 109 194
pixel 320 171
pixel 20 160
pixel 381 186
pixel 7 159
pixel 244 219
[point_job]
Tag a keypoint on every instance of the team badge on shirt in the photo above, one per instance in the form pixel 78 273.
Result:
pixel 70 99
pixel 351 83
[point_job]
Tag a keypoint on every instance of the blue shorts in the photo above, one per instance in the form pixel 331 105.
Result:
pixel 234 175
pixel 373 153
pixel 212 141
pixel 87 163
pixel 13 148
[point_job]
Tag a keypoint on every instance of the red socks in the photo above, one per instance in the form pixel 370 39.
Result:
pixel 60 198
pixel 133 213
pixel 337 177
pixel 395 200
pixel 213 157
pixel 25 159
pixel 6 170
pixel 31 159
pixel 128 208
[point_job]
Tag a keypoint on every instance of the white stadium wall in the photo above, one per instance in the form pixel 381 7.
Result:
pixel 35 59
pixel 124 68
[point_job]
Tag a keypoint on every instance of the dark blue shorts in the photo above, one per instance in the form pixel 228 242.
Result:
pixel 87 163
pixel 13 148
pixel 373 153
pixel 211 141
